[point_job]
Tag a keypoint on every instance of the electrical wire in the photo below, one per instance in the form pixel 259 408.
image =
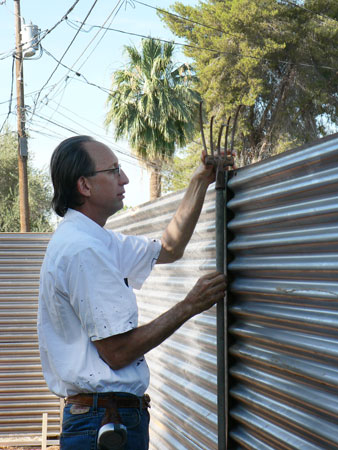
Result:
pixel 181 17
pixel 75 72
pixel 55 135
pixel 101 88
pixel 11 97
pixel 67 79
pixel 121 31
pixel 64 17
pixel 56 124
pixel 7 54
pixel 27 95
pixel 56 91
pixel 115 10
pixel 43 34
pixel 86 81
pixel 194 47
pixel 114 146
pixel 93 133
pixel 67 49
pixel 62 93
pixel 58 137
pixel 321 15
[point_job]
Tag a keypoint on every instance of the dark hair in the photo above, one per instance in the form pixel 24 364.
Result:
pixel 69 162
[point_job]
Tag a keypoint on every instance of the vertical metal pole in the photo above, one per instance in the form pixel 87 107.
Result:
pixel 226 342
pixel 22 139
pixel 222 391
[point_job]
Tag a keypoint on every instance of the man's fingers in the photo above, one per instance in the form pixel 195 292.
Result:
pixel 215 274
pixel 213 282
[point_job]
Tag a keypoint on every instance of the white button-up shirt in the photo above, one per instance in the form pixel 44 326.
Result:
pixel 84 297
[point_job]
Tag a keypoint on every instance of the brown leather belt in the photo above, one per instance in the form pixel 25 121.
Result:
pixel 105 399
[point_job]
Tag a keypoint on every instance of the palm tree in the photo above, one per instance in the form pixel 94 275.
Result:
pixel 153 105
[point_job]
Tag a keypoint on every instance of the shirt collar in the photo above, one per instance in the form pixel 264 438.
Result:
pixel 87 225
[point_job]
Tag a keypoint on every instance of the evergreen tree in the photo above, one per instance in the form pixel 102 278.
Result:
pixel 177 173
pixel 38 186
pixel 277 59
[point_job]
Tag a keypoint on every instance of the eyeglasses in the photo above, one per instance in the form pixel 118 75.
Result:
pixel 112 171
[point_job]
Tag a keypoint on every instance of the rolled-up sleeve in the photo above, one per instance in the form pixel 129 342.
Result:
pixel 137 258
pixel 99 296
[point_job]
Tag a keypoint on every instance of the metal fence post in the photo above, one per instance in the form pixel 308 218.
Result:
pixel 222 390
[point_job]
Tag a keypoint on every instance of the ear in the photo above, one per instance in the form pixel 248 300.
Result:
pixel 84 186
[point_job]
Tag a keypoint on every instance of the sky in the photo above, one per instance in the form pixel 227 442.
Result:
pixel 63 102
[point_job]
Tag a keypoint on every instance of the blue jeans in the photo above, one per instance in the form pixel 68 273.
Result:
pixel 80 430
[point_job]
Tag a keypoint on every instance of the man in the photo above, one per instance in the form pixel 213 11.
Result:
pixel 90 343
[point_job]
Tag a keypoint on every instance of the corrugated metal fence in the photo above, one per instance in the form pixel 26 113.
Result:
pixel 183 368
pixel 283 311
pixel 284 301
pixel 24 396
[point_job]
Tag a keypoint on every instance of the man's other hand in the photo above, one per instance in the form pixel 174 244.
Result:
pixel 207 291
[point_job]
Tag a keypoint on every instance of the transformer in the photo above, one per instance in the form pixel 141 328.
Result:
pixel 30 39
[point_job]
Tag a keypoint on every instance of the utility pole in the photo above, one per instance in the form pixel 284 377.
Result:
pixel 21 114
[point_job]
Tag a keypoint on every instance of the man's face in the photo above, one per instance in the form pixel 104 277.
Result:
pixel 107 188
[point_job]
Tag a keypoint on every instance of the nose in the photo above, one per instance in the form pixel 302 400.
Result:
pixel 123 179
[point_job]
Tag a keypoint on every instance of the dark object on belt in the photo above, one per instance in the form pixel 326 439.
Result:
pixel 112 433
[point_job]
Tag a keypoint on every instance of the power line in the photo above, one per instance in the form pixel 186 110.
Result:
pixel 194 47
pixel 28 95
pixel 75 72
pixel 11 97
pixel 99 87
pixel 71 43
pixel 61 95
pixel 181 17
pixel 56 124
pixel 64 17
pixel 44 33
pixel 93 133
pixel 116 148
pixel 323 16
pixel 58 136
pixel 55 135
pixel 115 10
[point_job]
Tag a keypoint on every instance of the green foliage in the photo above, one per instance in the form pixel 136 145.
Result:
pixel 176 175
pixel 38 187
pixel 279 61
pixel 153 105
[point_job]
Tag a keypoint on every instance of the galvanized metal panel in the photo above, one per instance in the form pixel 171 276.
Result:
pixel 24 395
pixel 183 368
pixel 284 308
